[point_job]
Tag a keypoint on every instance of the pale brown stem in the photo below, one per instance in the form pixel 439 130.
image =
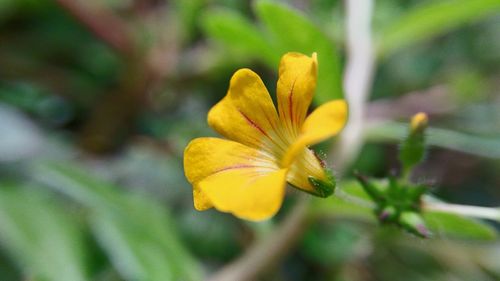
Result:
pixel 266 253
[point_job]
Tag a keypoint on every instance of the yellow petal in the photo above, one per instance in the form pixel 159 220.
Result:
pixel 247 113
pixel 248 193
pixel 200 200
pixel 296 86
pixel 326 121
pixel 204 157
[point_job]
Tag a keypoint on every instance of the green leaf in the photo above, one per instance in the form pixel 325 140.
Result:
pixel 288 30
pixel 141 241
pixel 454 226
pixel 237 32
pixel 188 13
pixel 40 236
pixel 76 184
pixel 432 19
pixel 136 232
pixel 292 31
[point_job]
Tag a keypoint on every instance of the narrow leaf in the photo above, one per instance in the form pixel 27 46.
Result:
pixel 136 232
pixel 432 19
pixel 454 226
pixel 238 33
pixel 141 243
pixel 40 236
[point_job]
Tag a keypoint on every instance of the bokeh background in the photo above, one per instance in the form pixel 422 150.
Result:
pixel 98 99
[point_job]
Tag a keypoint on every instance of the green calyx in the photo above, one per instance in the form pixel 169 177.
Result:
pixel 397 203
pixel 323 188
pixel 397 200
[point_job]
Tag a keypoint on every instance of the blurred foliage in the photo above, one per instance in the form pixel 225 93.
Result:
pixel 120 208
pixel 440 17
pixel 286 30
pixel 41 236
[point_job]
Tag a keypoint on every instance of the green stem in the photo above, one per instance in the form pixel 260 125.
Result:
pixel 344 196
pixel 406 173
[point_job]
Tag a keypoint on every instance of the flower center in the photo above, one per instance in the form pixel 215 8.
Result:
pixel 306 164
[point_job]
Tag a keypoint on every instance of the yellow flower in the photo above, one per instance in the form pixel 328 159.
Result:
pixel 247 174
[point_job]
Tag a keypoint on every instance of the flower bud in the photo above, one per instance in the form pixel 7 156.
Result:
pixel 414 223
pixel 419 122
pixel 389 213
pixel 372 190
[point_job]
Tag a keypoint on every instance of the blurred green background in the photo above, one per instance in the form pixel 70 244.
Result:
pixel 98 99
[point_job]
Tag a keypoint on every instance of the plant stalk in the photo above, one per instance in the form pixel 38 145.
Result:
pixel 464 210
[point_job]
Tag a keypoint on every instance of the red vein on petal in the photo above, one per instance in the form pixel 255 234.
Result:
pixel 290 101
pixel 291 118
pixel 241 166
pixel 253 124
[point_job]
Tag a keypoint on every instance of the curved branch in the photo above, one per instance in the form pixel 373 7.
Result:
pixel 264 254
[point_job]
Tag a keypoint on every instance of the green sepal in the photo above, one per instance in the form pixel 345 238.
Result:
pixel 323 188
pixel 415 192
pixel 397 203
pixel 373 191
pixel 394 184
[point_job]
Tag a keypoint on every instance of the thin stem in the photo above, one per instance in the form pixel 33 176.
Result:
pixel 346 197
pixel 405 175
pixel 464 210
pixel 429 204
pixel 267 252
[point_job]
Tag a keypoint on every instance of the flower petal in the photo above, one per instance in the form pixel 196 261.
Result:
pixel 247 113
pixel 248 193
pixel 307 165
pixel 204 157
pixel 296 85
pixel 326 121
pixel 200 200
